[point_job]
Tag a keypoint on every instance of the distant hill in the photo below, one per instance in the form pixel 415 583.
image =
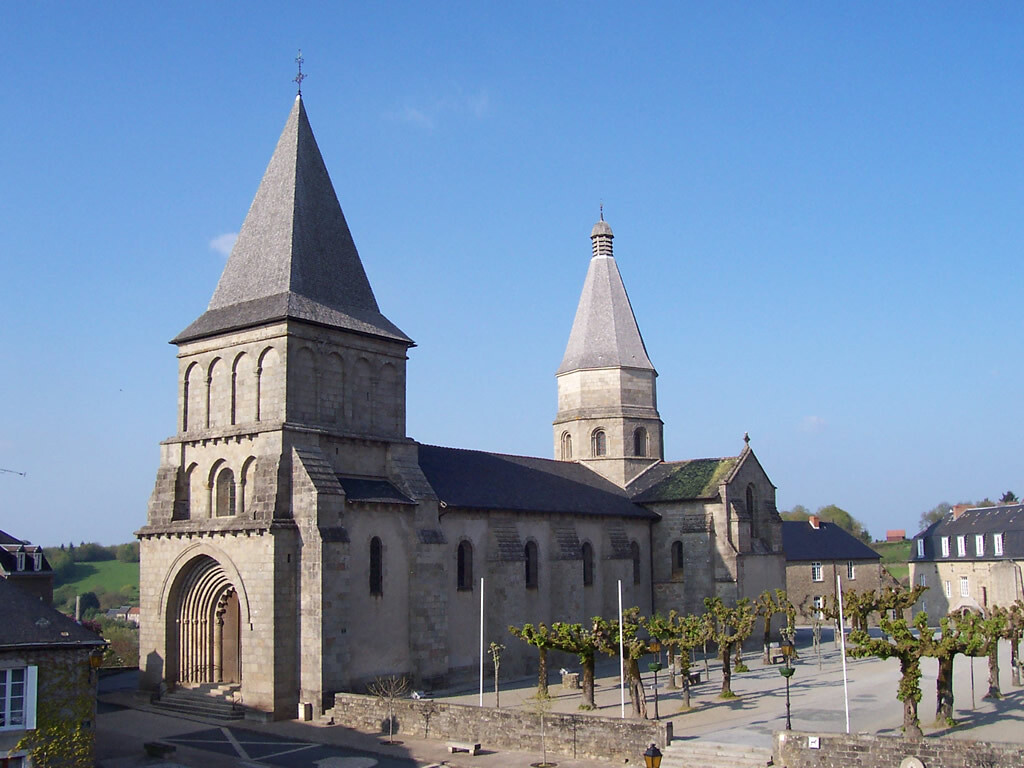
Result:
pixel 105 576
pixel 895 556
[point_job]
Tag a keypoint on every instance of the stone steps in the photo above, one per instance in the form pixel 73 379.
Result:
pixel 209 701
pixel 709 754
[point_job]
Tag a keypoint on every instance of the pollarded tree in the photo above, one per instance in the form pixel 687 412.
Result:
pixel 767 605
pixel 580 640
pixel 633 647
pixel 686 633
pixel 953 638
pixel 995 626
pixel 1015 617
pixel 730 626
pixel 901 642
pixel 540 638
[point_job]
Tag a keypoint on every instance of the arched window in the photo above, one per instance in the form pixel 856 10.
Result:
pixel 465 565
pixel 634 551
pixel 588 564
pixel 376 567
pixel 598 443
pixel 677 558
pixel 225 493
pixel 566 446
pixel 532 574
pixel 639 441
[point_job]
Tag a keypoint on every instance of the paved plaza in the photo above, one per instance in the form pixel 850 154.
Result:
pixel 817 704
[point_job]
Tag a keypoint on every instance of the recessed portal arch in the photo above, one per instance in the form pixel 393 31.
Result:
pixel 204 620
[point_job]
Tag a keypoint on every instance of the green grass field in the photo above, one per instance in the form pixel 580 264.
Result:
pixel 894 557
pixel 105 575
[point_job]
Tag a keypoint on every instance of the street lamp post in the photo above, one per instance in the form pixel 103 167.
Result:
pixel 787 672
pixel 652 757
pixel 654 666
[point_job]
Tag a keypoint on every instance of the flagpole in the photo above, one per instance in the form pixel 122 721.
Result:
pixel 622 659
pixel 481 641
pixel 842 636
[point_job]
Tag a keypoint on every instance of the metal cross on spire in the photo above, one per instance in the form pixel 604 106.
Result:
pixel 602 210
pixel 299 77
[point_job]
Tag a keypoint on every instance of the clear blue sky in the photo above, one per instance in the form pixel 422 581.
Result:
pixel 818 217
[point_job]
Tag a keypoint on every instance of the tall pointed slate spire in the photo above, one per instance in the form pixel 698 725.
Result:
pixel 294 257
pixel 605 333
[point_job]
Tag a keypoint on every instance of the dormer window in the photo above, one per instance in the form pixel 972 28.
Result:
pixel 979 545
pixel 961 546
pixel 997 544
pixel 920 549
pixel 19 561
pixel 945 546
pixel 37 561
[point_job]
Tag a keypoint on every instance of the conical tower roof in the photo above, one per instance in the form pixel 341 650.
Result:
pixel 294 257
pixel 604 333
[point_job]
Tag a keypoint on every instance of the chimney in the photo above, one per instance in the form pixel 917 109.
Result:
pixel 815 521
pixel 959 509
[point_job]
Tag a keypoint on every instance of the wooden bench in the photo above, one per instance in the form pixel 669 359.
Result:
pixel 463 746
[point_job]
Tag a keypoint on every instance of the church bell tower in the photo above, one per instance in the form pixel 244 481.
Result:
pixel 607 395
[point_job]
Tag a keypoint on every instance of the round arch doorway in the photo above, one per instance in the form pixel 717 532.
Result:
pixel 204 624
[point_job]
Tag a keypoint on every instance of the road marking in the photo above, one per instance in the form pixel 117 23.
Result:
pixel 234 743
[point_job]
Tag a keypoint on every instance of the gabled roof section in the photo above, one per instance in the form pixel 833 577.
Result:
pixel 294 257
pixel 29 622
pixel 802 541
pixel 482 480
pixel 372 490
pixel 682 480
pixel 605 333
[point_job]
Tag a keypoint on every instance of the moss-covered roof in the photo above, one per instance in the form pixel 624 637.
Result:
pixel 682 480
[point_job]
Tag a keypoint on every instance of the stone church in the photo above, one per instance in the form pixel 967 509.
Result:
pixel 299 543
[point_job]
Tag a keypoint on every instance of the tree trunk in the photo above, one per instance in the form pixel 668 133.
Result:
pixel 911 727
pixel 542 673
pixel 684 670
pixel 910 668
pixel 727 671
pixel 671 667
pixel 944 691
pixel 636 689
pixel 588 683
pixel 993 672
pixel 1014 661
pixel 767 639
pixel 739 656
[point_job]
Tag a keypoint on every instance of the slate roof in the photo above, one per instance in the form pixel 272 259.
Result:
pixel 482 480
pixel 1005 519
pixel 9 546
pixel 604 333
pixel 372 490
pixel 682 480
pixel 29 622
pixel 802 542
pixel 294 257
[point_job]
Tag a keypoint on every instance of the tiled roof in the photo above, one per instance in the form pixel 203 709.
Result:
pixel 294 256
pixel 28 621
pixel 801 541
pixel 682 480
pixel 481 480
pixel 604 333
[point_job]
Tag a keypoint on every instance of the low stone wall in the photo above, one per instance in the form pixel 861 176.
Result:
pixel 839 750
pixel 577 736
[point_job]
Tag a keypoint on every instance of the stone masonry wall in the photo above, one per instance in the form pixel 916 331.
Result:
pixel 836 750
pixel 576 736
